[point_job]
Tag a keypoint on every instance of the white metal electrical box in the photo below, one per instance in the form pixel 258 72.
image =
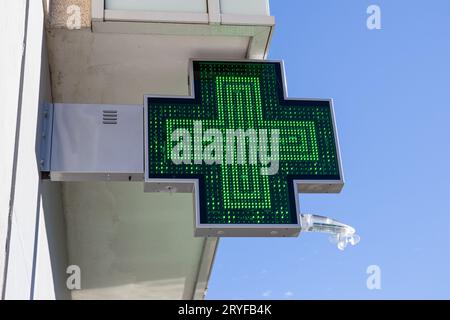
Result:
pixel 91 142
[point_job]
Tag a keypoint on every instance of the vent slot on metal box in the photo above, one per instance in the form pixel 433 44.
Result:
pixel 110 116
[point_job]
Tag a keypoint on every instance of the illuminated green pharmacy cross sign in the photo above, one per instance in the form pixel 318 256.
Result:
pixel 250 149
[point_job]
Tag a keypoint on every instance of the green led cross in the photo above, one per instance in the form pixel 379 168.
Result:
pixel 245 96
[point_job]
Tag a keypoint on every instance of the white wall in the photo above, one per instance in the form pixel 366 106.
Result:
pixel 158 5
pixel 33 267
pixel 12 13
pixel 247 7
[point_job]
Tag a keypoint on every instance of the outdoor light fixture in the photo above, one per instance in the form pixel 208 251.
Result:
pixel 341 234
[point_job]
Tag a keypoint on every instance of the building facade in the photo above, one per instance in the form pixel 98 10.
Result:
pixel 122 243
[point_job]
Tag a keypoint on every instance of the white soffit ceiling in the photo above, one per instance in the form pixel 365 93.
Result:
pixel 89 67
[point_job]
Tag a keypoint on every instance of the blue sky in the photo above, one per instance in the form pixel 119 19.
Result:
pixel 391 89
